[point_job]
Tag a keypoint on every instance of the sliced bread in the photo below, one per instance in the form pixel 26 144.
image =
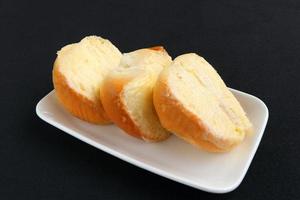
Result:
pixel 126 93
pixel 193 102
pixel 78 72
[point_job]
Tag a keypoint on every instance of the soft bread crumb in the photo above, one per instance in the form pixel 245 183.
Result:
pixel 138 94
pixel 86 63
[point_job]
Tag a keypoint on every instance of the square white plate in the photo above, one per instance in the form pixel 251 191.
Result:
pixel 173 158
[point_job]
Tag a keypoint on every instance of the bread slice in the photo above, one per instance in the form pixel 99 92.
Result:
pixel 126 93
pixel 78 72
pixel 193 102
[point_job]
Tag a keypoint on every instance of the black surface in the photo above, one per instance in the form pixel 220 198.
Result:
pixel 254 45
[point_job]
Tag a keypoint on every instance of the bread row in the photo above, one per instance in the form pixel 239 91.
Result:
pixel 149 95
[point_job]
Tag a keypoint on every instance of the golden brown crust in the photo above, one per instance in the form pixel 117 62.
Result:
pixel 177 119
pixel 111 97
pixel 75 103
pixel 158 48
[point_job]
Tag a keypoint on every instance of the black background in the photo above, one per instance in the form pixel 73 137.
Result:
pixel 255 46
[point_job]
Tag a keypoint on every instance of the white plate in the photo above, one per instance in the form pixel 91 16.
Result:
pixel 173 158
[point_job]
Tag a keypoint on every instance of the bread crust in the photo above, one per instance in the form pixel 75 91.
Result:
pixel 111 97
pixel 77 104
pixel 180 121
